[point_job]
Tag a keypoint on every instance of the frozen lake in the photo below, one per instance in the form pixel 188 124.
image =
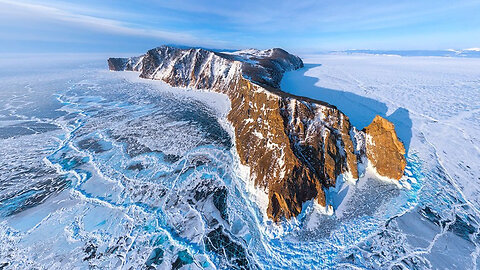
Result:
pixel 434 103
pixel 102 169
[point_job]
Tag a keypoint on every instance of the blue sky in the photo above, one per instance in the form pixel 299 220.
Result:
pixel 298 26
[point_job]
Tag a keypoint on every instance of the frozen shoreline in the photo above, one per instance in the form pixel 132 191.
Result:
pixel 377 223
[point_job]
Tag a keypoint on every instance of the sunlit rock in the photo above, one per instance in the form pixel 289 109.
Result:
pixel 384 150
pixel 295 147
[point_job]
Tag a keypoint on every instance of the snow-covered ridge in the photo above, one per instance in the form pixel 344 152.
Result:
pixel 170 63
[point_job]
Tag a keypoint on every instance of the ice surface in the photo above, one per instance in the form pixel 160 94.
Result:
pixel 434 103
pixel 102 169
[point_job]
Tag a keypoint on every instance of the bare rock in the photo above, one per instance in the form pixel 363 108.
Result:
pixel 383 148
pixel 294 146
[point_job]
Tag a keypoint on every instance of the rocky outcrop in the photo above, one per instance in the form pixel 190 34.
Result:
pixel 295 146
pixel 383 148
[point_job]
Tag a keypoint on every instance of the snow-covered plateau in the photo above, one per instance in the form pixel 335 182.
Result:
pixel 104 170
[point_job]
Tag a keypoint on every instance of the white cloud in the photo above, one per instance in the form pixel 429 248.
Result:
pixel 108 25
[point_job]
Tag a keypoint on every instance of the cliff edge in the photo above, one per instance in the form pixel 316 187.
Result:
pixel 294 146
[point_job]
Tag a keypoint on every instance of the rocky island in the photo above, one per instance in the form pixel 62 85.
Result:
pixel 295 147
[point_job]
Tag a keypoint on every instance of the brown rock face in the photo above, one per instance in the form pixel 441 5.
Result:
pixel 289 152
pixel 384 150
pixel 295 146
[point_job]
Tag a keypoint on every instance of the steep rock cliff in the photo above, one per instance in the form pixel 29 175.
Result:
pixel 294 146
pixel 384 150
